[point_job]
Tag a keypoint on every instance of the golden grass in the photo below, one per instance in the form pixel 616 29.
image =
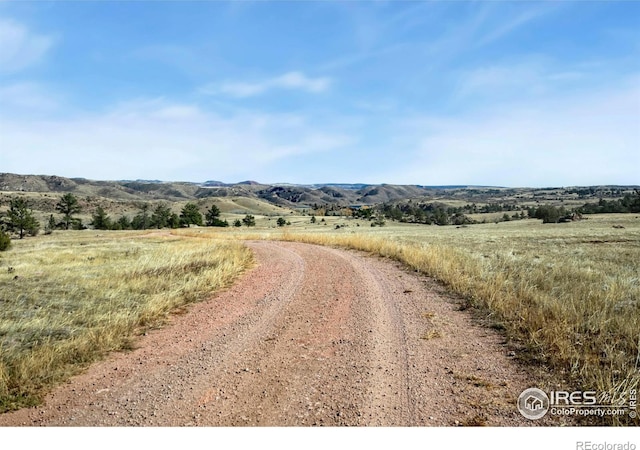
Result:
pixel 568 294
pixel 431 334
pixel 78 295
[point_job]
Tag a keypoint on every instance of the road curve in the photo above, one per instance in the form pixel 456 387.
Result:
pixel 311 336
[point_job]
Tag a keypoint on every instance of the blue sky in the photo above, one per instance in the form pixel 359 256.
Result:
pixel 406 92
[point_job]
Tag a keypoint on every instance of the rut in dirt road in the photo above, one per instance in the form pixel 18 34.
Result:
pixel 311 336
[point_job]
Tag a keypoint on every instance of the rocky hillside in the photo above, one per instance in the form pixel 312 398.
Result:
pixel 298 197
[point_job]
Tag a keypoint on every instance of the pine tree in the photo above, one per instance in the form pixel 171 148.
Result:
pixel 161 216
pixel 68 206
pixel 21 218
pixel 100 220
pixel 190 215
pixel 212 217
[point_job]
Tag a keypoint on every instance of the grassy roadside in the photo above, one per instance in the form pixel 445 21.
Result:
pixel 68 298
pixel 567 294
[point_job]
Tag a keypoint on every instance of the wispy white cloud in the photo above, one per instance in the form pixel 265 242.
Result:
pixel 290 81
pixel 20 47
pixel 527 77
pixel 498 80
pixel 512 24
pixel 26 98
pixel 574 139
pixel 159 139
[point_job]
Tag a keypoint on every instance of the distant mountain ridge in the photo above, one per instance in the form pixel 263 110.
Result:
pixel 283 194
pixel 294 196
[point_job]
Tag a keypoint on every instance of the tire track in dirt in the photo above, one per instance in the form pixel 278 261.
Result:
pixel 310 336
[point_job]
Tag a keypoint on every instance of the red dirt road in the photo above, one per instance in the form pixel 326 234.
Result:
pixel 310 336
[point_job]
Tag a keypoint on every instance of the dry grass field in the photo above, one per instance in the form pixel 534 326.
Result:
pixel 68 298
pixel 566 295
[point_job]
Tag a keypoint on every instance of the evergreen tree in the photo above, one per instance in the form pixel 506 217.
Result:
pixel 212 217
pixel 190 215
pixel 21 218
pixel 161 216
pixel 174 221
pixel 141 221
pixel 68 206
pixel 124 223
pixel 100 219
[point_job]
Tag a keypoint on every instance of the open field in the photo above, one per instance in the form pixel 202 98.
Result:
pixel 567 295
pixel 68 298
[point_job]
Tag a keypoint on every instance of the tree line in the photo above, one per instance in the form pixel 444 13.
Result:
pixel 20 220
pixel 630 203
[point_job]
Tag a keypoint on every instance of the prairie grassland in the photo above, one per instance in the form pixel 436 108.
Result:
pixel 568 295
pixel 68 298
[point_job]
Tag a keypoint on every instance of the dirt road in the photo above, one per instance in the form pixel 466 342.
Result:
pixel 310 336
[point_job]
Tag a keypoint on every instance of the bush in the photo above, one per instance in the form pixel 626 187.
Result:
pixel 549 213
pixel 249 220
pixel 50 226
pixel 5 241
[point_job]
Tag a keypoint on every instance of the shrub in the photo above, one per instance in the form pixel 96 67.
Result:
pixel 249 220
pixel 51 225
pixel 549 213
pixel 5 241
